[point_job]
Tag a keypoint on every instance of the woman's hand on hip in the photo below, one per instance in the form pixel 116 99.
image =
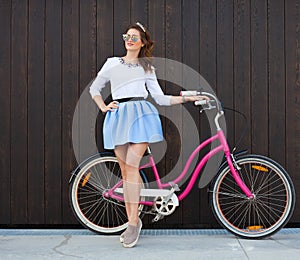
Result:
pixel 112 106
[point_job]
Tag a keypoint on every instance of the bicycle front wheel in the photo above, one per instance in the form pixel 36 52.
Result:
pixel 92 209
pixel 267 212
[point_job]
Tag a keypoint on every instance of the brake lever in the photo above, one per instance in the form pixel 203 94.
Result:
pixel 206 104
pixel 209 107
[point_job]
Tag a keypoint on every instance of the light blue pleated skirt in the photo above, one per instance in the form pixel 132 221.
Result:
pixel 132 122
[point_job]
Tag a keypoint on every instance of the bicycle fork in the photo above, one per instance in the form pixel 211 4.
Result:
pixel 233 166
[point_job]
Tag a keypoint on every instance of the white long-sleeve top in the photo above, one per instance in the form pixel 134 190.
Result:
pixel 128 81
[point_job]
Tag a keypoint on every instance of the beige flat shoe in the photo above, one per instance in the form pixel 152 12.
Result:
pixel 131 235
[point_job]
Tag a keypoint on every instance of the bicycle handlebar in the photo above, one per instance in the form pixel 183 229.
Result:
pixel 203 103
pixel 189 93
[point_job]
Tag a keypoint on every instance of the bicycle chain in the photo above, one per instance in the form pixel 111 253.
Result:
pixel 119 204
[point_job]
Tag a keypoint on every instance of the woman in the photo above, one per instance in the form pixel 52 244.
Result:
pixel 131 123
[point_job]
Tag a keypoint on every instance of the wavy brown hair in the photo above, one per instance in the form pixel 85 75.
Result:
pixel 145 54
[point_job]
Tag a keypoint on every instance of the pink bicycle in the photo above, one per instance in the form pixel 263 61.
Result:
pixel 252 196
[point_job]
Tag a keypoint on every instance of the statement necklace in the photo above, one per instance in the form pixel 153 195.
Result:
pixel 129 65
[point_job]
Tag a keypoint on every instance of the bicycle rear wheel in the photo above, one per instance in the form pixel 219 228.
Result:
pixel 271 207
pixel 92 209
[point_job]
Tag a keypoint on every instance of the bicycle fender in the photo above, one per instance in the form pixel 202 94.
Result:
pixel 77 169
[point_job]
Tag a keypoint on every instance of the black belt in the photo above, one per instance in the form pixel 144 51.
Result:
pixel 121 100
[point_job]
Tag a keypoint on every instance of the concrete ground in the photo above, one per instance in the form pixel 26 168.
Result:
pixel 153 244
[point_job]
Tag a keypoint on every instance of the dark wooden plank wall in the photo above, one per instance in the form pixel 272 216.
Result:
pixel 50 50
pixel 5 103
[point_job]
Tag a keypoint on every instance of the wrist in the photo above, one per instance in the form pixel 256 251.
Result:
pixel 103 108
pixel 183 99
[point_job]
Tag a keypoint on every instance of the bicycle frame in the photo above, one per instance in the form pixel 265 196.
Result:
pixel 223 146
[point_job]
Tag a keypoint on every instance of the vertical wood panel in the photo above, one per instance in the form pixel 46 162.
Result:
pixel 121 21
pixel 225 90
pixel 87 61
pixel 208 70
pixel 242 67
pixel 105 43
pixel 292 61
pixel 224 74
pixel 36 156
pixel 5 97
pixel 156 25
pixel 105 31
pixel 208 41
pixel 87 42
pixel 276 81
pixel 191 207
pixel 259 77
pixel 19 133
pixel 53 115
pixel 139 11
pixel 174 52
pixel 70 90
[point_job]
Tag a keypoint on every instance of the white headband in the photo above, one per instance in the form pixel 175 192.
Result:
pixel 141 26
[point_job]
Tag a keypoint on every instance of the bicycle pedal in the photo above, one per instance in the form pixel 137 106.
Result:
pixel 157 218
pixel 174 186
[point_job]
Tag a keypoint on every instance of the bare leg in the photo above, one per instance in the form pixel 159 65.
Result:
pixel 134 155
pixel 131 177
pixel 121 153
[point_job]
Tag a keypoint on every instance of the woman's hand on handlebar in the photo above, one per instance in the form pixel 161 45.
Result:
pixel 183 99
pixel 195 98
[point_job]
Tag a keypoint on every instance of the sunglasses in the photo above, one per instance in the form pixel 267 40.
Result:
pixel 134 38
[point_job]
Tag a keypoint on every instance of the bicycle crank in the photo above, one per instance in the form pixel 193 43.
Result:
pixel 163 207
